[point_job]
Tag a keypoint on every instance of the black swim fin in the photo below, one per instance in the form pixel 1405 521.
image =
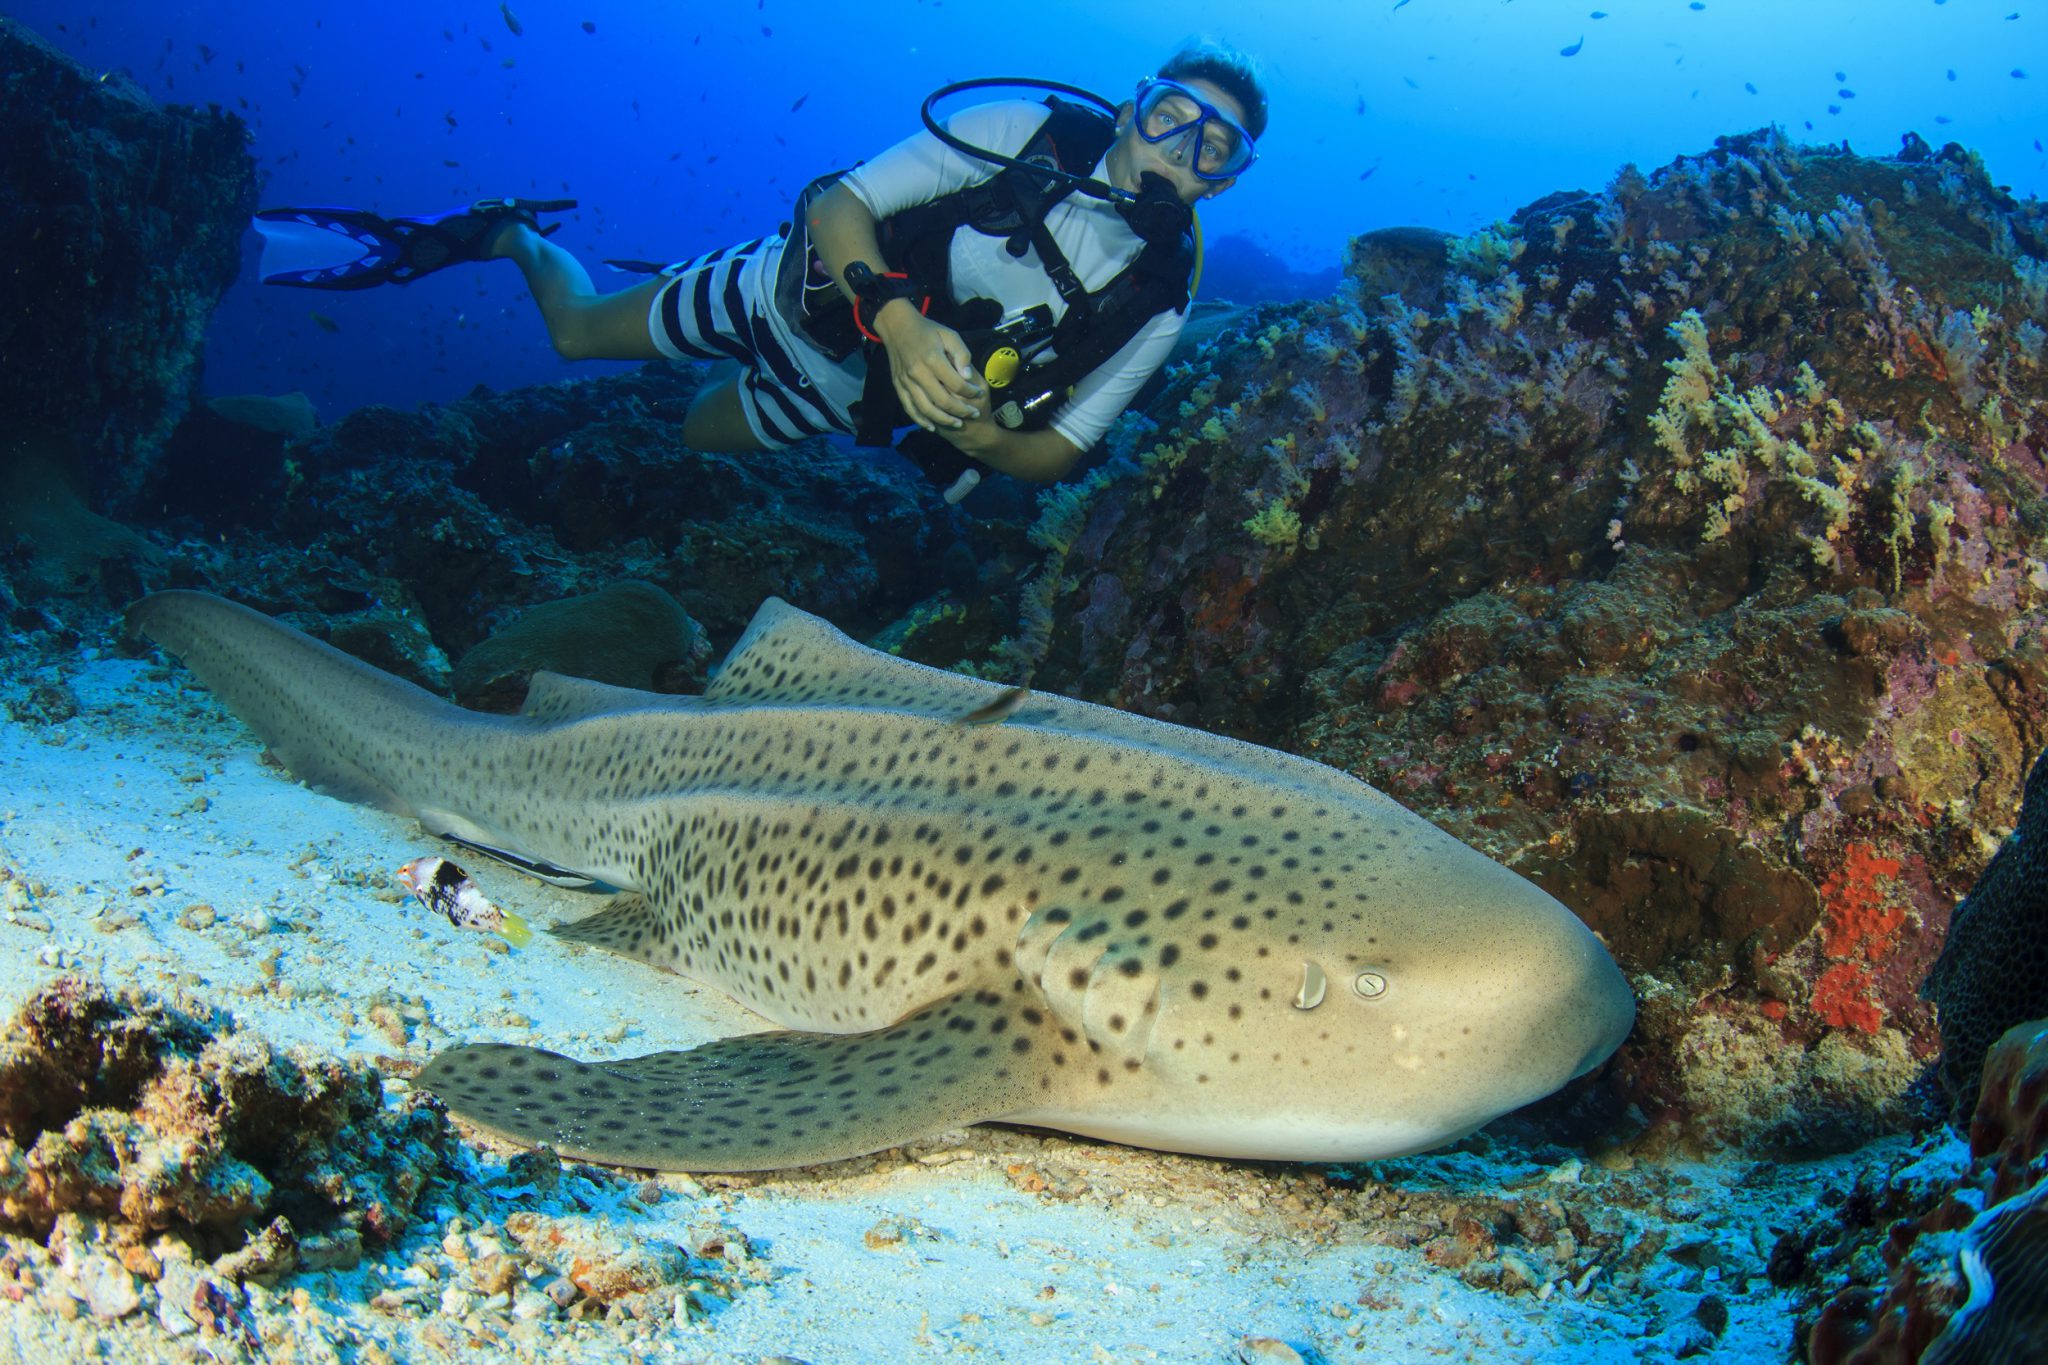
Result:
pixel 336 248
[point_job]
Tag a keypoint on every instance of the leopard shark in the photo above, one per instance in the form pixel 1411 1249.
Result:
pixel 955 903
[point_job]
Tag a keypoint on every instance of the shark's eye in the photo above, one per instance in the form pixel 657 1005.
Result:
pixel 1370 985
pixel 1313 984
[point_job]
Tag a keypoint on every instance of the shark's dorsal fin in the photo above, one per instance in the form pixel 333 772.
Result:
pixel 558 697
pixel 788 656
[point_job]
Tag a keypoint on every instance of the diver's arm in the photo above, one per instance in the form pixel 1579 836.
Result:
pixel 1042 456
pixel 928 362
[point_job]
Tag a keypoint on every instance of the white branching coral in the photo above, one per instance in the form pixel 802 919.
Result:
pixel 1486 253
pixel 1688 395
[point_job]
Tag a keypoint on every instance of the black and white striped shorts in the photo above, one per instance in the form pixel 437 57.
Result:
pixel 706 311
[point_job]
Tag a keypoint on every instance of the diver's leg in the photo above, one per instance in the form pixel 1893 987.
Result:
pixel 582 323
pixel 717 420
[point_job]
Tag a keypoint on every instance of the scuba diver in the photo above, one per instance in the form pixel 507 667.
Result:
pixel 1005 281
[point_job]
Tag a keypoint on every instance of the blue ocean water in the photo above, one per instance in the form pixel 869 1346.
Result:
pixel 680 128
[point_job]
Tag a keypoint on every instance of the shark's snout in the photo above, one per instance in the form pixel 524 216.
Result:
pixel 1571 1009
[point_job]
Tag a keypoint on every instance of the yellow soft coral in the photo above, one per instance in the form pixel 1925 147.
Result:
pixel 1275 524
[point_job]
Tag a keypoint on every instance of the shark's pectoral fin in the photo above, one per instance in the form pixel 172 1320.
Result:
pixel 763 1101
pixel 631 927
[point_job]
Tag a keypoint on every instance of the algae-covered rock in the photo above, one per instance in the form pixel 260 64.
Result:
pixel 629 634
pixel 57 545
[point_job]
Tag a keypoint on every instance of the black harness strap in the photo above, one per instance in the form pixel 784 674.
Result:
pixel 1012 204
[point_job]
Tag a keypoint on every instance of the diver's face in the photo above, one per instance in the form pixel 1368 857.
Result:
pixel 1130 156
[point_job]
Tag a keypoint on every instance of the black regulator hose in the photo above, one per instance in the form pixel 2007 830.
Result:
pixel 1082 184
pixel 1155 212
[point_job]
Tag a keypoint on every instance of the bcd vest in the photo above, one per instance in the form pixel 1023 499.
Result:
pixel 1012 204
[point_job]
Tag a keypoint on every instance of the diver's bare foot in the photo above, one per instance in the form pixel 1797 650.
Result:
pixel 504 243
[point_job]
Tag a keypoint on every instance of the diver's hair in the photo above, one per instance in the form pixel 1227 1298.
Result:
pixel 1230 70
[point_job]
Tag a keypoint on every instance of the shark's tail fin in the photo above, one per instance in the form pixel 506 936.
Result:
pixel 341 726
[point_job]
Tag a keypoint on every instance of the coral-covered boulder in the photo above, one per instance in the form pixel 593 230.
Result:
pixel 123 223
pixel 1678 545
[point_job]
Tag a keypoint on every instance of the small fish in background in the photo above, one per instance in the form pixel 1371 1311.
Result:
pixel 324 323
pixel 446 889
pixel 1573 49
pixel 511 19
pixel 589 27
pixel 999 710
pixel 1749 86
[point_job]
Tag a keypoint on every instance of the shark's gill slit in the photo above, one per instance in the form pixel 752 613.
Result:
pixel 1313 985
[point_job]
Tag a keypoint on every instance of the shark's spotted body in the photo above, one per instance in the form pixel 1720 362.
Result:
pixel 959 904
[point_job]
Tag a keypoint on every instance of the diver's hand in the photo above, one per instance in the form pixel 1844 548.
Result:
pixel 931 368
pixel 975 437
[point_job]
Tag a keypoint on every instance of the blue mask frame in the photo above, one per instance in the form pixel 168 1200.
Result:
pixel 1151 91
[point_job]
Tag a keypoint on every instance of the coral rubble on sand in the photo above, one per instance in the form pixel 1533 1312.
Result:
pixel 1679 545
pixel 155 1162
pixel 146 1119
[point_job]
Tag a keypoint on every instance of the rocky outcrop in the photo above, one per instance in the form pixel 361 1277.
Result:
pixel 123 223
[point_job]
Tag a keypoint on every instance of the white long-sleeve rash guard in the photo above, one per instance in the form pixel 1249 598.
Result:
pixel 1096 240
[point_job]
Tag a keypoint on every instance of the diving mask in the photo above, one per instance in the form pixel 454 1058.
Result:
pixel 1219 145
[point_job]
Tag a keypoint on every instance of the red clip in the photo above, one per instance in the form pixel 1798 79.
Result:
pixel 924 306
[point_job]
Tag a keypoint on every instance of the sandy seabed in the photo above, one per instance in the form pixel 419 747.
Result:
pixel 152 848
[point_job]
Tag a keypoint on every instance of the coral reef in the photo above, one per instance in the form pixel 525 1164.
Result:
pixel 1993 969
pixel 1678 545
pixel 124 224
pixel 1961 1272
pixel 408 538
